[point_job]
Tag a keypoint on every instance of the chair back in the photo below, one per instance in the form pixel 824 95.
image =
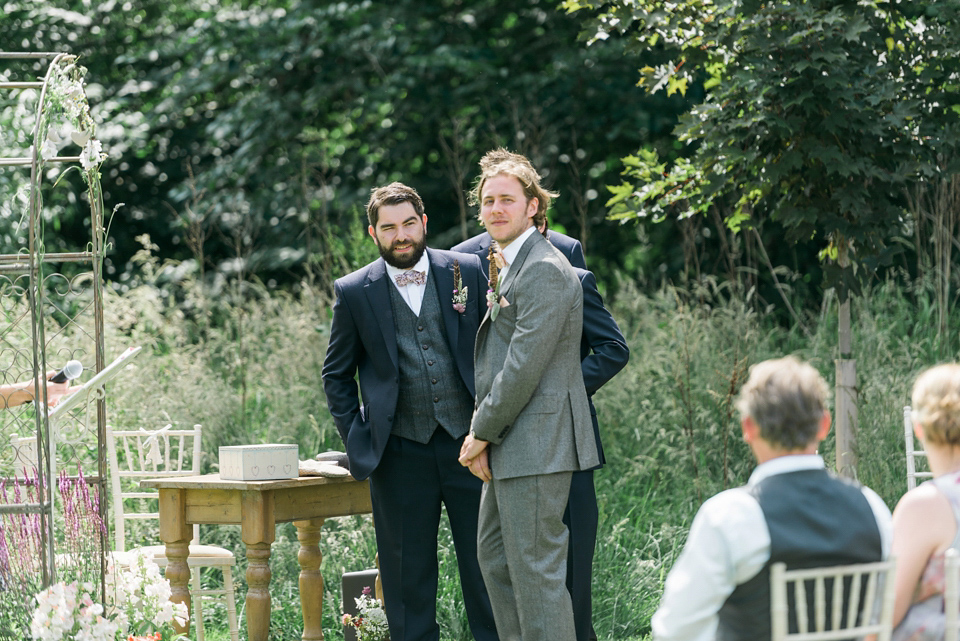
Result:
pixel 912 453
pixel 951 595
pixel 806 606
pixel 25 459
pixel 140 454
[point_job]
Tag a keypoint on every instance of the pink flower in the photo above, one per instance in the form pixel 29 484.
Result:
pixel 346 620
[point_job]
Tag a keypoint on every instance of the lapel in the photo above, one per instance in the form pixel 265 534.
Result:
pixel 441 269
pixel 378 296
pixel 517 264
pixel 483 251
pixel 483 242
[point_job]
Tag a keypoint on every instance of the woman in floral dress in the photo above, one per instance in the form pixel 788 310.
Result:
pixel 925 521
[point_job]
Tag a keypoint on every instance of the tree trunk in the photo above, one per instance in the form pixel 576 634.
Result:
pixel 846 399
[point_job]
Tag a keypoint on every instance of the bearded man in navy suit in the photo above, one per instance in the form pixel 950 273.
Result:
pixel 603 353
pixel 407 324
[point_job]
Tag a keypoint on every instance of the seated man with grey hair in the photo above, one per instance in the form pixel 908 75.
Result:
pixel 791 510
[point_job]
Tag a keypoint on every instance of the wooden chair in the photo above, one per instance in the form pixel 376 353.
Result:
pixel 912 452
pixel 25 459
pixel 863 606
pixel 951 595
pixel 140 454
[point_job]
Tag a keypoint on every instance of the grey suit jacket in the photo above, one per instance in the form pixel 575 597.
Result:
pixel 531 401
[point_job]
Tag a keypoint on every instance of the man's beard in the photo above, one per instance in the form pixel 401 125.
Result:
pixel 404 261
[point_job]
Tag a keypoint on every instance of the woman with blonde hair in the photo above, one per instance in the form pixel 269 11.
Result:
pixel 925 521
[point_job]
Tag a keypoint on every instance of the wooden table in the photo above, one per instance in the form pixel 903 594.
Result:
pixel 256 506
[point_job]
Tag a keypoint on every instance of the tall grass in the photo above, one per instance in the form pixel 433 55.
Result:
pixel 247 366
pixel 672 439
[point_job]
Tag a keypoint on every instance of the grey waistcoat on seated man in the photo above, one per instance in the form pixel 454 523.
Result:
pixel 815 520
pixel 431 392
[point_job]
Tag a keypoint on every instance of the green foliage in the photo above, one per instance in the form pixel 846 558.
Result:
pixel 670 433
pixel 691 345
pixel 817 115
pixel 242 363
pixel 285 114
pixel 671 436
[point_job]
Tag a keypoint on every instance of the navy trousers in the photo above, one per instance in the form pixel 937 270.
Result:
pixel 407 489
pixel 581 519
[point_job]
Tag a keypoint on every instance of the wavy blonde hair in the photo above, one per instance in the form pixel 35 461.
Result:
pixel 936 404
pixel 501 161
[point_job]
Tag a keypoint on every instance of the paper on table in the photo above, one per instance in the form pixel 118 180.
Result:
pixel 322 468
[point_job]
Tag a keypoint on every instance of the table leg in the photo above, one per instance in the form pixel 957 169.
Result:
pixel 311 581
pixel 258 591
pixel 178 574
pixel 257 529
pixel 176 534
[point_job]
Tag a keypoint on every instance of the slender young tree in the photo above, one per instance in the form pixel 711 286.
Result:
pixel 817 114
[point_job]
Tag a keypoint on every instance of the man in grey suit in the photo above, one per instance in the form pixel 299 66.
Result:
pixel 603 353
pixel 531 428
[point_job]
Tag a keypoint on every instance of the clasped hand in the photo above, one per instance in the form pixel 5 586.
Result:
pixel 475 456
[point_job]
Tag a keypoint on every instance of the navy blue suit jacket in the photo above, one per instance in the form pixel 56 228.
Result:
pixel 569 247
pixel 603 350
pixel 363 340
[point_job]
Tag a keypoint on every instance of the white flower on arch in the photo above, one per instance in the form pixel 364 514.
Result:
pixel 92 154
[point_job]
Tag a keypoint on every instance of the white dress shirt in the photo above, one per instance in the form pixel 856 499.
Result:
pixel 511 251
pixel 411 293
pixel 728 544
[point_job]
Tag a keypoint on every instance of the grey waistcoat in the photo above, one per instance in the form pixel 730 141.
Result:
pixel 431 392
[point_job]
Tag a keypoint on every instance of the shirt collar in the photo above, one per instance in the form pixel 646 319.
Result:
pixel 423 265
pixel 510 253
pixel 785 464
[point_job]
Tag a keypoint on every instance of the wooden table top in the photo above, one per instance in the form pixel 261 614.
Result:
pixel 210 499
pixel 214 482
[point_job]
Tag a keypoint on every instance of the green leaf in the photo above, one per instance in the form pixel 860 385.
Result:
pixel 675 84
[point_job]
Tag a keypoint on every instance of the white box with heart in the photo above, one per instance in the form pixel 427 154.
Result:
pixel 259 462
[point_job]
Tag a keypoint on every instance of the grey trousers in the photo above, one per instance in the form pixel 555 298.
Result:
pixel 522 549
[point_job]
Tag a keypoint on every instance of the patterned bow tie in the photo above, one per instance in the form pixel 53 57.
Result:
pixel 411 277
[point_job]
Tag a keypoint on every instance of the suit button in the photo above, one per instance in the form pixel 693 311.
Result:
pixel 433 380
pixel 419 328
pixel 436 399
pixel 430 363
pixel 426 347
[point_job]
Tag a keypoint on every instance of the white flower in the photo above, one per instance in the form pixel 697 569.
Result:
pixel 75 102
pixel 373 620
pixel 54 615
pixel 92 155
pixel 94 627
pixel 139 596
pixel 49 150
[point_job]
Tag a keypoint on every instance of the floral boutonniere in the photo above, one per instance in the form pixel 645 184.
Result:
pixel 493 293
pixel 459 291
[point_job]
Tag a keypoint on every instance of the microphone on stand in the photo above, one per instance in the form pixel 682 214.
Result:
pixel 70 371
